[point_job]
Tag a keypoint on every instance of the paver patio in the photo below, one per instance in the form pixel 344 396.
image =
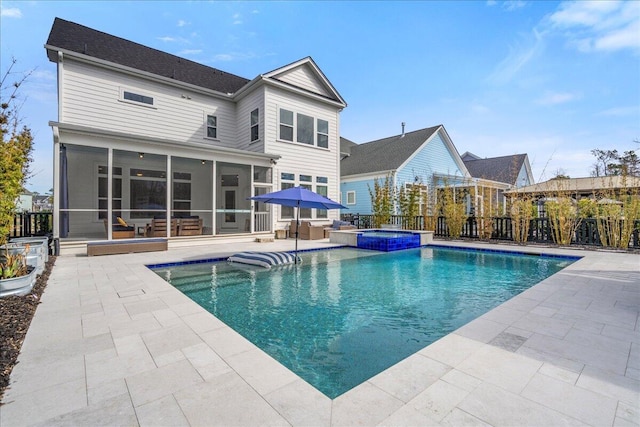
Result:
pixel 114 344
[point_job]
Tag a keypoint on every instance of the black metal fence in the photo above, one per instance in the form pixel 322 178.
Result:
pixel 29 224
pixel 540 230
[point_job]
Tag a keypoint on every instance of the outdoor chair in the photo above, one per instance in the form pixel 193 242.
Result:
pixel 158 228
pixel 307 231
pixel 338 225
pixel 190 226
pixel 120 229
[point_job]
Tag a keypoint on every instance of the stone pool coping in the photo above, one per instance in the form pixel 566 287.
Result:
pixel 112 343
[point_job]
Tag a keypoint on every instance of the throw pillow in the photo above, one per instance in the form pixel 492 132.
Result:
pixel 122 222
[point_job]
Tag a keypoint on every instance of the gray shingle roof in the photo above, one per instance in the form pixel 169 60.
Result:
pixel 345 145
pixel 501 169
pixel 78 38
pixel 384 154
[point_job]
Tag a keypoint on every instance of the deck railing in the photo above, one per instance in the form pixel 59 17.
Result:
pixel 30 224
pixel 540 229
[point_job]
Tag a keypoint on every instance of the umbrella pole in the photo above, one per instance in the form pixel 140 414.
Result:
pixel 297 230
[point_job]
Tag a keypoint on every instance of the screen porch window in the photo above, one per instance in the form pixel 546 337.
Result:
pixel 212 127
pixel 103 188
pixel 182 193
pixel 255 129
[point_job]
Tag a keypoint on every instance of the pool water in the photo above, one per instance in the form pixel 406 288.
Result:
pixel 344 315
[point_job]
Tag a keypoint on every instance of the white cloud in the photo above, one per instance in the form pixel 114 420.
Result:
pixel 620 111
pixel 237 19
pixel 169 39
pixel 11 12
pixel 512 5
pixel 599 25
pixel 182 23
pixel 509 5
pixel 190 52
pixel 555 98
pixel 519 56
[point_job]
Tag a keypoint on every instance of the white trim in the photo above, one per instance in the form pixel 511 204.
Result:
pixel 349 193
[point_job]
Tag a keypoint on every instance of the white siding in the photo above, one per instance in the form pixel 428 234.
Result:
pixel 300 158
pixel 91 97
pixel 244 108
pixel 304 77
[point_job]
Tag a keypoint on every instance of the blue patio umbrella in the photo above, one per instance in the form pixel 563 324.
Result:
pixel 298 197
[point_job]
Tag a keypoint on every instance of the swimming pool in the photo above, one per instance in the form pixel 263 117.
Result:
pixel 345 315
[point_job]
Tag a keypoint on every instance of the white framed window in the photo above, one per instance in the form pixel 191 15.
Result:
pixel 286 125
pixel 135 97
pixel 255 126
pixel 287 180
pixel 323 190
pixel 304 134
pixel 351 197
pixel 322 137
pixel 212 126
pixel 303 129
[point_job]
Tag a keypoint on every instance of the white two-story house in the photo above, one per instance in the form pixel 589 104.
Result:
pixel 143 135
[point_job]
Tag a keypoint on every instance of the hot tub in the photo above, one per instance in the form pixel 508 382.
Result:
pixel 382 240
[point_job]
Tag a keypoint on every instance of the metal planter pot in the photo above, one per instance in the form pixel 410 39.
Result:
pixel 18 285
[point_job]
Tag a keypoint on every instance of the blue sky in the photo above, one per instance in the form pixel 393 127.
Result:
pixel 551 79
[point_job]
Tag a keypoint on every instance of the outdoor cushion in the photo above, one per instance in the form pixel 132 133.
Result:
pixel 263 259
pixel 122 222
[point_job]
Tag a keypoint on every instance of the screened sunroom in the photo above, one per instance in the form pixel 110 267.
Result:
pixel 116 193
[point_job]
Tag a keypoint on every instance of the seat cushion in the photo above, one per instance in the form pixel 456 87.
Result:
pixel 263 259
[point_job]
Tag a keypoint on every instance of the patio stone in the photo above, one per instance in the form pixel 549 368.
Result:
pixel 409 377
pixel 161 412
pixel 157 383
pixel 347 408
pixel 224 401
pixel 584 405
pixel 301 404
pixel 438 400
pixel 260 370
pixel 497 407
pixel 111 412
pixel 564 352
pixel 508 370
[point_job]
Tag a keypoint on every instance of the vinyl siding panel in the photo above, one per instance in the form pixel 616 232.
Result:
pixel 301 158
pixel 304 77
pixel 435 157
pixel 363 198
pixel 244 109
pixel 92 97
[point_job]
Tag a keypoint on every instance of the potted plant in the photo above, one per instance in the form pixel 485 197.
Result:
pixel 15 156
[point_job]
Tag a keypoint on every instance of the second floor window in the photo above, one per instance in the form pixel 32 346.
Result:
pixel 212 126
pixel 286 125
pixel 255 130
pixel 323 133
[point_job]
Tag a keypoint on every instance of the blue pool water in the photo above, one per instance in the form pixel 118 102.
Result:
pixel 344 315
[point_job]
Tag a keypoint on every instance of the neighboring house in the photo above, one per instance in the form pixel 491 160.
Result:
pixel 505 172
pixel 604 189
pixel 42 203
pixel 514 170
pixel 425 157
pixel 143 135
pixel 24 202
pixel 578 188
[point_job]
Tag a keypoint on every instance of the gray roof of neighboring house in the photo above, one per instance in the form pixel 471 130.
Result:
pixel 84 40
pixel 345 145
pixel 384 154
pixel 500 169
